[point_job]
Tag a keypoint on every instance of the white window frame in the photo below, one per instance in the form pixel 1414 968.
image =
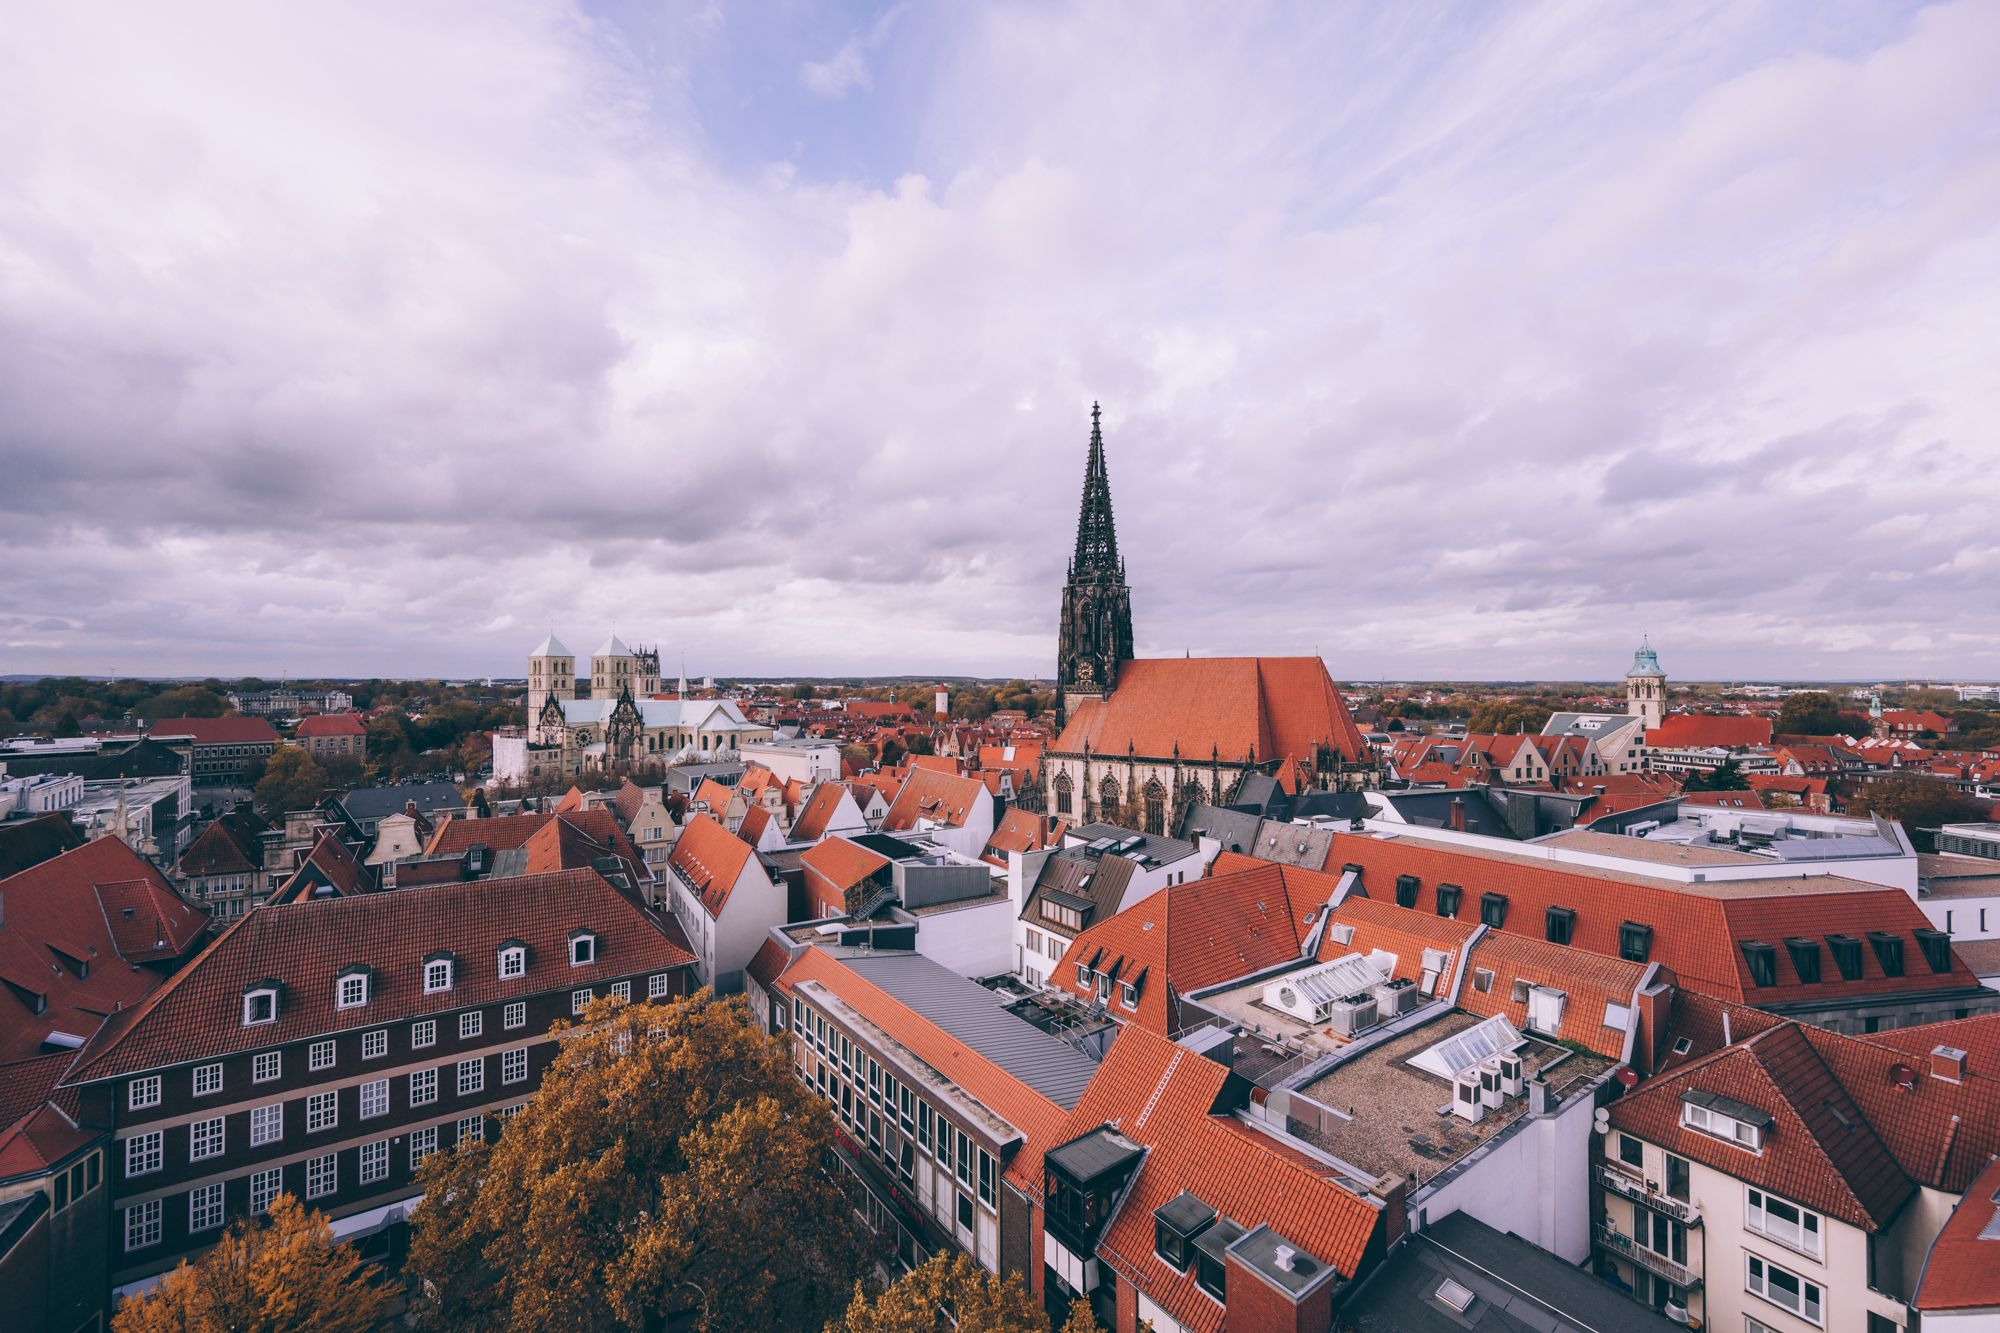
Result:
pixel 375 1044
pixel 205 1138
pixel 322 1111
pixel 513 963
pixel 424 1081
pixel 1761 1288
pixel 1726 1128
pixel 374 1099
pixel 322 1175
pixel 251 1004
pixel 423 1142
pixel 579 1000
pixel 351 991
pixel 437 976
pixel 142 1225
pixel 470 1024
pixel 514 1065
pixel 1807 1236
pixel 266 1066
pixel 583 951
pixel 471 1128
pixel 267 1123
pixel 145 1153
pixel 374 1161
pixel 265 1187
pixel 622 990
pixel 515 1015
pixel 205 1210
pixel 320 1055
pixel 207 1079
pixel 656 986
pixel 471 1077
pixel 423 1032
pixel 141 1093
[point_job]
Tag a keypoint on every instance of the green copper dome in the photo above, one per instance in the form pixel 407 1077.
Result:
pixel 1645 662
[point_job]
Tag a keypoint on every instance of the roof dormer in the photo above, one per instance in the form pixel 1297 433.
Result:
pixel 440 971
pixel 260 1002
pixel 512 959
pixel 583 945
pixel 354 987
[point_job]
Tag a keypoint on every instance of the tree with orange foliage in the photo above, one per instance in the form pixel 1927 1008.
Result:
pixel 951 1294
pixel 266 1275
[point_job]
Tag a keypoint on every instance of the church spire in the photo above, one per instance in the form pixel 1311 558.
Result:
pixel 1096 533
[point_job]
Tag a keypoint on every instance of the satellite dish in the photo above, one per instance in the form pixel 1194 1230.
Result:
pixel 1603 1119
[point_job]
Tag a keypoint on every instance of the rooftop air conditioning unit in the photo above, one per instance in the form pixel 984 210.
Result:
pixel 1395 997
pixel 1512 1074
pixel 1351 1015
pixel 1465 1101
pixel 1490 1091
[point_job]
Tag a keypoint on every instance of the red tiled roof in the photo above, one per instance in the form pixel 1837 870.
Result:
pixel 832 867
pixel 1696 934
pixel 1941 1133
pixel 565 844
pixel 631 796
pixel 1707 1025
pixel 1165 1099
pixel 456 835
pixel 1188 936
pixel 38 1123
pixel 1725 800
pixel 1820 1150
pixel 817 812
pixel 330 865
pixel 1690 731
pixel 217 730
pixel 936 763
pixel 710 859
pixel 1401 931
pixel 1591 981
pixel 304 946
pixel 716 795
pixel 1023 755
pixel 769 960
pixel 1963 1270
pixel 571 801
pixel 1039 1119
pixel 886 785
pixel 29 842
pixel 218 851
pixel 944 799
pixel 1223 706
pixel 1019 831
pixel 1978 1037
pixel 755 821
pixel 330 724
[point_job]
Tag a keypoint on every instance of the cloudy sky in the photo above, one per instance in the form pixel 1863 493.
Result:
pixel 1445 341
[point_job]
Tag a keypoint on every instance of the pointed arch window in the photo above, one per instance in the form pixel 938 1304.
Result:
pixel 1156 807
pixel 1064 790
pixel 1107 798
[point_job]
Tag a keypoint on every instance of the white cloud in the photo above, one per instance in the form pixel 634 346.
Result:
pixel 839 74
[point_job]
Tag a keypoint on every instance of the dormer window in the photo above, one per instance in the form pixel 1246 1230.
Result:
pixel 438 970
pixel 351 988
pixel 1128 995
pixel 1724 1118
pixel 260 1004
pixel 513 959
pixel 582 948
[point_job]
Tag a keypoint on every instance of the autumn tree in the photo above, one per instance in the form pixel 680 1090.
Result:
pixel 1725 776
pixel 1814 713
pixel 184 701
pixel 670 1169
pixel 1507 717
pixel 266 1275
pixel 1920 804
pixel 978 1302
pixel 291 781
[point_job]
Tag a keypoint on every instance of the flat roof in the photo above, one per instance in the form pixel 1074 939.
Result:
pixel 978 1017
pixel 1641 849
pixel 1397 1128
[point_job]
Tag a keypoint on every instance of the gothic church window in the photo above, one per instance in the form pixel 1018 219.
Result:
pixel 1063 789
pixel 1107 798
pixel 1156 807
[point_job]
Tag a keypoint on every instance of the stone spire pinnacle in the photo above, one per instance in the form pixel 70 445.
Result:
pixel 1096 533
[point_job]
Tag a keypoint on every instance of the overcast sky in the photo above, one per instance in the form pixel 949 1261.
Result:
pixel 1446 341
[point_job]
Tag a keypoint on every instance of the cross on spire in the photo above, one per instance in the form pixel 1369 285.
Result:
pixel 1096 533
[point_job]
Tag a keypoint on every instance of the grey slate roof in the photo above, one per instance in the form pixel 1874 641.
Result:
pixel 364 804
pixel 975 1016
pixel 1517 1288
pixel 1154 848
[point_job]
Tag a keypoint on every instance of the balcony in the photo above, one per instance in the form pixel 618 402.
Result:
pixel 1607 1237
pixel 1632 1187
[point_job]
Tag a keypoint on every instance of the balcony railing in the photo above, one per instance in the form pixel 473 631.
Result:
pixel 1640 1191
pixel 1608 1237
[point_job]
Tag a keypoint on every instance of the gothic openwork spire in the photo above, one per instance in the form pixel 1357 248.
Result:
pixel 1096 533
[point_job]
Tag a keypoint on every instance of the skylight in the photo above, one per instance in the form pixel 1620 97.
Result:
pixel 1462 1050
pixel 1455 1294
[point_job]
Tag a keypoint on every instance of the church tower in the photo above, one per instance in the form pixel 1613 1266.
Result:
pixel 551 675
pixel 1095 638
pixel 1646 686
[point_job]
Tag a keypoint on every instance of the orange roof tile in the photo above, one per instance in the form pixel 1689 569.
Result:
pixel 1591 981
pixel 944 799
pixel 1690 731
pixel 1963 1270
pixel 817 812
pixel 832 867
pixel 1228 707
pixel 710 859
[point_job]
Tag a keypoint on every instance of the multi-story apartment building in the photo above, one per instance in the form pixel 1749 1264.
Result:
pixel 325 1047
pixel 223 868
pixel 1792 1180
pixel 335 736
pixel 224 747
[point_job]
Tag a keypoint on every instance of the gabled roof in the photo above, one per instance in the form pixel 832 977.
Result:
pixel 1176 1104
pixel 305 945
pixel 1819 1151
pixel 1963 1270
pixel 770 959
pixel 1020 831
pixel 1222 707
pixel 29 842
pixel 217 730
pixel 38 1123
pixel 330 724
pixel 1978 1037
pixel 832 867
pixel 818 811
pixel 503 833
pixel 1696 731
pixel 944 799
pixel 1186 937
pixel 716 795
pixel 711 861
pixel 756 821
pixel 74 933
pixel 223 849
pixel 329 869
pixel 1401 931
pixel 1594 984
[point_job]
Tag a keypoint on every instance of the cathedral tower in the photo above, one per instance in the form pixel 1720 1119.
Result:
pixel 1095 638
pixel 551 675
pixel 1646 686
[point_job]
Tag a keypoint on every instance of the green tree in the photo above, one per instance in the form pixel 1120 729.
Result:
pixel 802 690
pixel 67 726
pixel 182 701
pixel 1506 717
pixel 1726 776
pixel 670 1169
pixel 1920 804
pixel 1814 713
pixel 978 1302
pixel 283 1274
pixel 291 781
pixel 919 744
